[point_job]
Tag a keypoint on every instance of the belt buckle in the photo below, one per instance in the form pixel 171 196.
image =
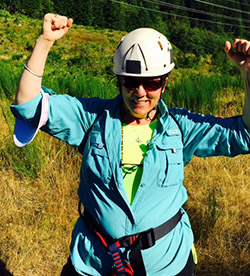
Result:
pixel 147 239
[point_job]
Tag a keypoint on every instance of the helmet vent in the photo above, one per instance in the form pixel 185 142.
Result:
pixel 119 44
pixel 171 56
pixel 124 58
pixel 160 45
pixel 146 66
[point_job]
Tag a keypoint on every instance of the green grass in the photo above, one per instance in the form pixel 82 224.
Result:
pixel 38 185
pixel 200 92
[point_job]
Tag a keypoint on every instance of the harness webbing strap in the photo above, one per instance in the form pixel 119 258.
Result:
pixel 136 242
pixel 167 226
pixel 136 261
pixel 148 240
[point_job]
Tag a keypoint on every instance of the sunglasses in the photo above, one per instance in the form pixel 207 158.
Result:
pixel 148 85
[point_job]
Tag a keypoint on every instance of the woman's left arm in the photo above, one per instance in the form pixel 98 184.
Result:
pixel 239 54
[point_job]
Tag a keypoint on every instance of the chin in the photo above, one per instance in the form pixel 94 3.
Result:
pixel 139 115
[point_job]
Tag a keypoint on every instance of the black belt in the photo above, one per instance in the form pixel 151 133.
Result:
pixel 136 242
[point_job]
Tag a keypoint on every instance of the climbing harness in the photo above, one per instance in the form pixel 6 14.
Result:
pixel 135 242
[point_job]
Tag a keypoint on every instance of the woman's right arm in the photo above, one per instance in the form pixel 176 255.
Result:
pixel 54 28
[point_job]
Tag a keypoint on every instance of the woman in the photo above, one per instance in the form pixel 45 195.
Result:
pixel 134 151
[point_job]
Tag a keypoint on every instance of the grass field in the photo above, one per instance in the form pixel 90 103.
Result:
pixel 38 184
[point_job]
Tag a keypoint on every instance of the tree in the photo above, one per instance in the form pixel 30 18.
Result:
pixel 11 6
pixel 98 13
pixel 233 26
pixel 115 15
pixel 47 6
pixel 245 8
pixel 82 12
pixel 32 8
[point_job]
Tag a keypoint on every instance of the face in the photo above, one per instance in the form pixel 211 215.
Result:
pixel 141 95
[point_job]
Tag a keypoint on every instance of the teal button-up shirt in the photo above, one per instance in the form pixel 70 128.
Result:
pixel 161 192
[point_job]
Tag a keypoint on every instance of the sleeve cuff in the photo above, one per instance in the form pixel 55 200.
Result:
pixel 25 129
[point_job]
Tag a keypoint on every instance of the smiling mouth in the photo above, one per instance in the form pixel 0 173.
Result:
pixel 139 102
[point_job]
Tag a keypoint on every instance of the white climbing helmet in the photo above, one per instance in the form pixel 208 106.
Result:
pixel 143 52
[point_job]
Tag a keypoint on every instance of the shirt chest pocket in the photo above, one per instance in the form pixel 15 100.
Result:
pixel 171 161
pixel 98 164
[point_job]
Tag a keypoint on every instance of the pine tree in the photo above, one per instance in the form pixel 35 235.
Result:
pixel 3 4
pixel 245 8
pixel 146 16
pixel 98 13
pixel 65 7
pixel 233 10
pixel 82 12
pixel 114 15
pixel 32 8
pixel 11 5
pixel 47 6
pixel 173 12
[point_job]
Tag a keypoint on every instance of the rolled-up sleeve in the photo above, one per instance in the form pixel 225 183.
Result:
pixel 29 111
pixel 69 117
pixel 206 136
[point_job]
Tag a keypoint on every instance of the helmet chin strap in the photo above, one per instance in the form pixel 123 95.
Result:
pixel 148 114
pixel 155 107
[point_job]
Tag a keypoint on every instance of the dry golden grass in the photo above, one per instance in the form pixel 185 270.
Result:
pixel 221 225
pixel 38 213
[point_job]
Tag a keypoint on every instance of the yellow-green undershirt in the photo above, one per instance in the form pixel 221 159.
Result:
pixel 134 149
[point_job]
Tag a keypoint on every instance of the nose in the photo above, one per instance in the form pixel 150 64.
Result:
pixel 140 91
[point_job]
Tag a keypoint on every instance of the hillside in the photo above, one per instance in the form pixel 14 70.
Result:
pixel 38 185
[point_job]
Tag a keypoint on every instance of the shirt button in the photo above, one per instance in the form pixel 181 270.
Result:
pixel 142 185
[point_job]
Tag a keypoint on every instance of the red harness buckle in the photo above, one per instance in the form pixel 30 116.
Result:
pixel 128 271
pixel 135 242
pixel 121 268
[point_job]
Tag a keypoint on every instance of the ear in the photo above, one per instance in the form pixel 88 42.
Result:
pixel 165 85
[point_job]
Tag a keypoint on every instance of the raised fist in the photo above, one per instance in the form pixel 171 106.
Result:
pixel 55 26
pixel 239 53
